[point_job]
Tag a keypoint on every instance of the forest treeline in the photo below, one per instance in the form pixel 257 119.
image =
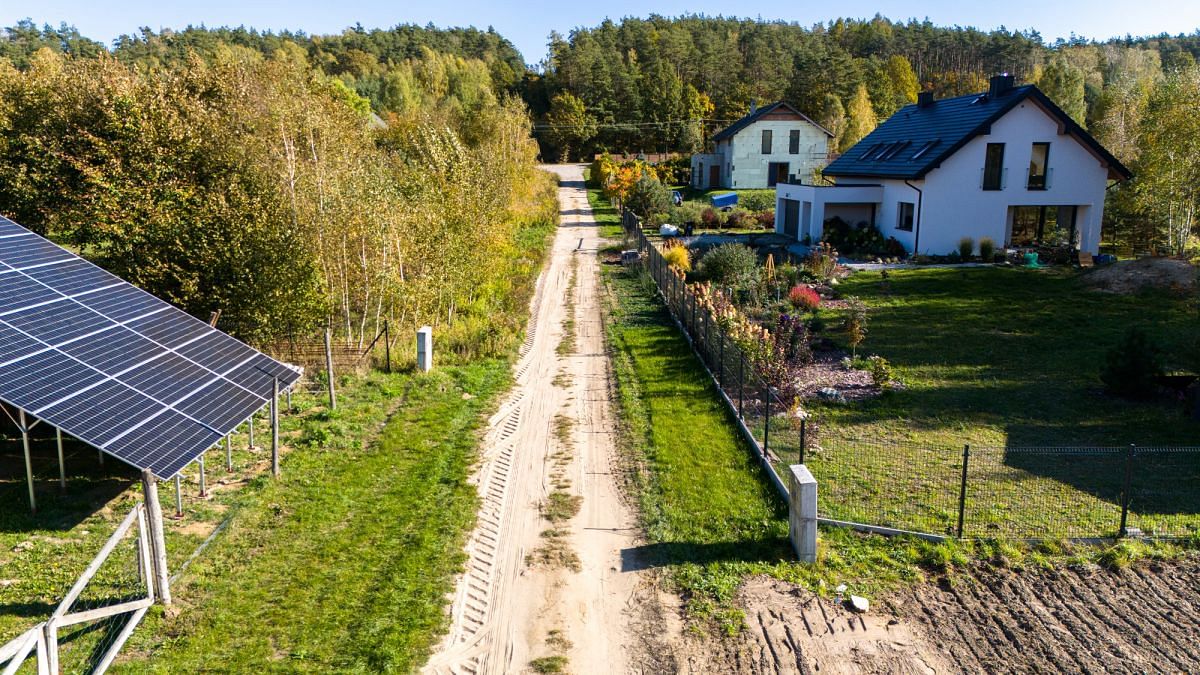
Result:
pixel 656 84
pixel 667 84
pixel 252 181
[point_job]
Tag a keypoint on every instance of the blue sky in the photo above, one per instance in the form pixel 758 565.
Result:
pixel 528 23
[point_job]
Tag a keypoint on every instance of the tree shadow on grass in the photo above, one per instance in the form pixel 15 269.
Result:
pixel 667 554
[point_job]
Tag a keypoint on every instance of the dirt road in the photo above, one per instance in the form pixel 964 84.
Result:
pixel 544 577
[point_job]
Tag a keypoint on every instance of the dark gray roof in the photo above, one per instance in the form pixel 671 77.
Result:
pixel 729 131
pixel 894 148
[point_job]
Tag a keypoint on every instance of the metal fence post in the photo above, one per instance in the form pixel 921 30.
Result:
pixel 767 422
pixel 721 359
pixel 741 385
pixel 1125 487
pixel 962 490
pixel 803 438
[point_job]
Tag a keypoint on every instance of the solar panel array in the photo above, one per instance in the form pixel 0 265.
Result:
pixel 116 367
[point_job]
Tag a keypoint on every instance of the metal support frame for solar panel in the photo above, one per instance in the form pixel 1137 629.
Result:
pixel 116 367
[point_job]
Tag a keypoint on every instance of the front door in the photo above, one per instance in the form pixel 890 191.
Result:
pixel 777 172
pixel 791 218
pixel 714 176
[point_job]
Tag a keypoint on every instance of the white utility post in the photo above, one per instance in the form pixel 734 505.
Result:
pixel 425 349
pixel 802 512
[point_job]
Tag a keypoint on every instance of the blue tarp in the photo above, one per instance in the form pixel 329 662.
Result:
pixel 725 200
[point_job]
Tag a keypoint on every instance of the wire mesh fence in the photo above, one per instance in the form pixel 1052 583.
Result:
pixel 962 491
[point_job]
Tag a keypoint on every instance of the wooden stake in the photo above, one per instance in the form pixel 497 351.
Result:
pixel 329 368
pixel 158 547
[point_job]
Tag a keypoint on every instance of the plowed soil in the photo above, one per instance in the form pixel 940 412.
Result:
pixel 1141 619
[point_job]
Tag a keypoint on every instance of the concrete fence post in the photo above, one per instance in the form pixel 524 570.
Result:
pixel 802 512
pixel 425 349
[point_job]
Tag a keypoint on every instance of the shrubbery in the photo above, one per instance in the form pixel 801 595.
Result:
pixel 860 239
pixel 987 249
pixel 1132 365
pixel 966 246
pixel 648 198
pixel 678 257
pixel 804 298
pixel 729 265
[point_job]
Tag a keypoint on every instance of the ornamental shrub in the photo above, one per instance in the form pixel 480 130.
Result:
pixel 679 258
pixel 804 298
pixel 966 246
pixel 987 249
pixel 729 265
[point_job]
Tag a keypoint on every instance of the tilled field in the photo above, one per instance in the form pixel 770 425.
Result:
pixel 1142 619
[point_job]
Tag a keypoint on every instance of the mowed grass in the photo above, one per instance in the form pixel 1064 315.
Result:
pixel 344 563
pixel 1012 357
pixel 1001 359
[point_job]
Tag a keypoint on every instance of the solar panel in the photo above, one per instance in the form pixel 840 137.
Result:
pixel 116 367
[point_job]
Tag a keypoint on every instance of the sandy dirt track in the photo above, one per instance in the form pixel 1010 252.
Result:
pixel 506 607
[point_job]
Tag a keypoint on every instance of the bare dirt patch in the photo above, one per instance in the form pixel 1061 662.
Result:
pixel 1145 618
pixel 1132 276
pixel 827 371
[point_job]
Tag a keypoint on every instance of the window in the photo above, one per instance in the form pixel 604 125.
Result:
pixel 794 142
pixel 874 149
pixel 905 219
pixel 894 150
pixel 1037 166
pixel 766 142
pixel 925 148
pixel 993 167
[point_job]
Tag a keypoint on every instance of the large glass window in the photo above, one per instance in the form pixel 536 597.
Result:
pixel 905 219
pixel 794 142
pixel 1052 226
pixel 1038 159
pixel 766 141
pixel 993 167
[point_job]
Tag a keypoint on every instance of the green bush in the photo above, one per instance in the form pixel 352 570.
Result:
pixel 966 246
pixel 862 239
pixel 757 200
pixel 987 249
pixel 881 370
pixel 1132 365
pixel 728 265
pixel 689 213
pixel 649 198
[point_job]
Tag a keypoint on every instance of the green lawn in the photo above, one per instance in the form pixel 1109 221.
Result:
pixel 708 508
pixel 1001 359
pixel 344 563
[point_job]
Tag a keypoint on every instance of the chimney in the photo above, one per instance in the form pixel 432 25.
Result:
pixel 1000 85
pixel 925 99
pixel 753 106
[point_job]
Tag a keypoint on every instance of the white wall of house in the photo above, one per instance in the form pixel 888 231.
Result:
pixel 749 166
pixel 953 203
pixel 816 204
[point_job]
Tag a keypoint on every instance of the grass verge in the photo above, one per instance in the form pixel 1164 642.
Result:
pixel 342 564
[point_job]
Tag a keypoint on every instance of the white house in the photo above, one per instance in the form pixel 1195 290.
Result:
pixel 1007 164
pixel 763 149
